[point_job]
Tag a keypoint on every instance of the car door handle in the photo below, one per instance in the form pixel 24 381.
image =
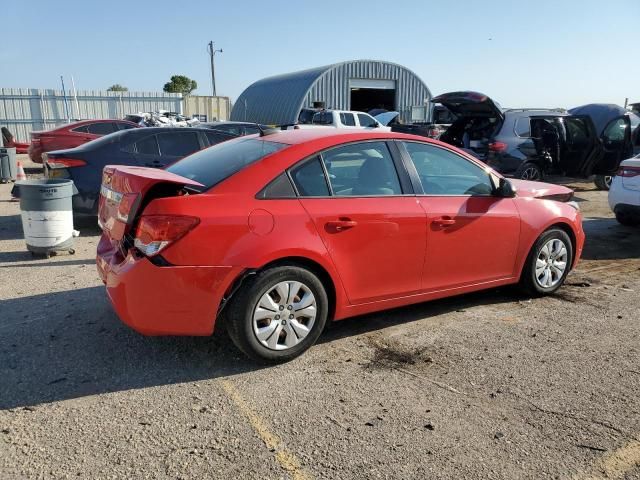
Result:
pixel 341 225
pixel 444 221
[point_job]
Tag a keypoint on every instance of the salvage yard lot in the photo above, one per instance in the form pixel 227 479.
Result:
pixel 491 385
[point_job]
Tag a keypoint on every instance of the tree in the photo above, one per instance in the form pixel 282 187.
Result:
pixel 180 84
pixel 116 87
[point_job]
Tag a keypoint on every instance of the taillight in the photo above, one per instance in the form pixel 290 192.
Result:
pixel 62 162
pixel 155 232
pixel 497 146
pixel 628 172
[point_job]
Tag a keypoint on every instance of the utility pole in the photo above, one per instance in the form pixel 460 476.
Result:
pixel 212 53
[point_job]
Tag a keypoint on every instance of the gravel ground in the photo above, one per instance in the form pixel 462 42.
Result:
pixel 488 385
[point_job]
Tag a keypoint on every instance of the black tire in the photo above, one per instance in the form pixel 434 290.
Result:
pixel 529 171
pixel 528 280
pixel 627 220
pixel 239 313
pixel 603 182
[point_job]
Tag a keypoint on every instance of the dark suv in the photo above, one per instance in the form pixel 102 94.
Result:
pixel 527 143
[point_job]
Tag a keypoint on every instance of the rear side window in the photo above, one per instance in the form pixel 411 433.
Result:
pixel 101 128
pixel 523 127
pixel 347 119
pixel 362 169
pixel 178 144
pixel 365 120
pixel 216 137
pixel 213 165
pixel 125 126
pixel 323 118
pixel 81 129
pixel 250 130
pixel 148 146
pixel 309 179
pixel 279 188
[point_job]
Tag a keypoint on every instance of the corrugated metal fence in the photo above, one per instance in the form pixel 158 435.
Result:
pixel 25 109
pixel 207 109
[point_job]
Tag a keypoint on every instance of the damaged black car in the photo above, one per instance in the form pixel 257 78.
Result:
pixel 529 143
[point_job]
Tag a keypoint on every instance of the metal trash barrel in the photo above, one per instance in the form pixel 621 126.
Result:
pixel 47 215
pixel 8 164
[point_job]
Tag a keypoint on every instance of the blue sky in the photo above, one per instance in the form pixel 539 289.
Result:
pixel 542 53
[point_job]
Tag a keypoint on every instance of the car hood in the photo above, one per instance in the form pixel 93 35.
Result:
pixel 526 188
pixel 469 104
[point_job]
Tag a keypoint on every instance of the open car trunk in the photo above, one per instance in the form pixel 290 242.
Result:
pixel 478 120
pixel 125 191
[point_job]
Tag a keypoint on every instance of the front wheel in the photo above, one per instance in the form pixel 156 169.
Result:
pixel 548 263
pixel 278 314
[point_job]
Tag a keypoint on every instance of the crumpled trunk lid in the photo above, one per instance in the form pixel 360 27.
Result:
pixel 125 190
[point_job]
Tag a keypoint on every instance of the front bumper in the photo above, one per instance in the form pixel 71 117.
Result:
pixel 171 300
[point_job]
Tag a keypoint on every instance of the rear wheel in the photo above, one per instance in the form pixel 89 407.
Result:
pixel 603 182
pixel 278 314
pixel 529 171
pixel 627 220
pixel 548 263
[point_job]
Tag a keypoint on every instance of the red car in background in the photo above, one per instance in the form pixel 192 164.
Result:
pixel 279 233
pixel 72 135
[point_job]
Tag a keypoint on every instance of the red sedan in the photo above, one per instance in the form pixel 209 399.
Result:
pixel 278 234
pixel 72 135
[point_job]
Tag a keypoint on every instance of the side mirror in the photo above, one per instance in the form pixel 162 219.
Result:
pixel 505 189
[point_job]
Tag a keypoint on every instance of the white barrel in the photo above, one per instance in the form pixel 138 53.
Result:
pixel 47 215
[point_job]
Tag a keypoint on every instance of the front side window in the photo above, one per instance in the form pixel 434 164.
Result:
pixel 362 169
pixel 443 172
pixel 104 128
pixel 81 129
pixel 125 126
pixel 366 120
pixel 615 131
pixel 577 131
pixel 309 179
pixel 178 144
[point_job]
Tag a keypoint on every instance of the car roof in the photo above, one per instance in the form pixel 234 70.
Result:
pixel 307 135
pixel 528 112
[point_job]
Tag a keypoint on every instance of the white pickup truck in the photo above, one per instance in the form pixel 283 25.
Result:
pixel 344 119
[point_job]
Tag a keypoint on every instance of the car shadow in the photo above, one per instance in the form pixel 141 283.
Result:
pixel 608 240
pixel 11 227
pixel 30 260
pixel 70 344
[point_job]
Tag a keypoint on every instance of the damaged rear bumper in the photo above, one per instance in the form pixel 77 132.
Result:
pixel 162 300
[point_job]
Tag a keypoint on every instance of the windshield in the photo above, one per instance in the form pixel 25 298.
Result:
pixel 215 164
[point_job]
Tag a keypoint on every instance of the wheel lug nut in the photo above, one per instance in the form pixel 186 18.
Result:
pixel 277 317
pixel 289 307
pixel 281 307
pixel 290 317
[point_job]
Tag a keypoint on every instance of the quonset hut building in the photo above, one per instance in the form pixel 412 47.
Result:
pixel 356 85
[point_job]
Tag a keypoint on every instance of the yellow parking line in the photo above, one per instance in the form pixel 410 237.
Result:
pixel 284 457
pixel 615 464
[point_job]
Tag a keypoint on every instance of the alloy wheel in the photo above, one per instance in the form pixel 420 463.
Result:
pixel 284 315
pixel 551 263
pixel 530 173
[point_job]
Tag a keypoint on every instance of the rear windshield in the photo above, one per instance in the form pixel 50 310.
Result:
pixel 214 164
